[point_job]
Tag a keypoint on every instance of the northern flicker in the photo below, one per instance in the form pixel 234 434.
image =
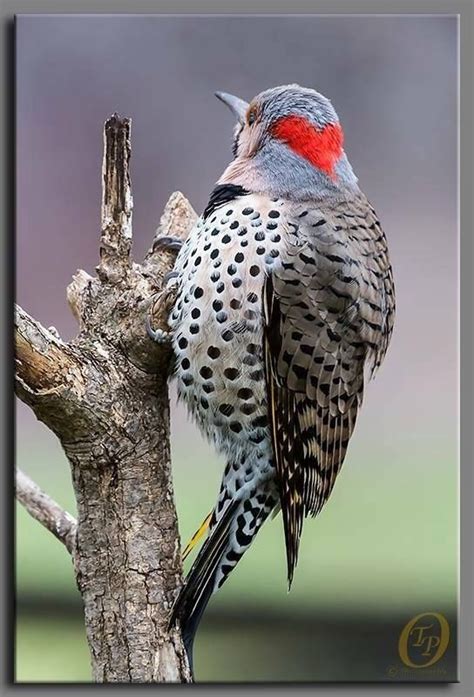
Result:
pixel 285 305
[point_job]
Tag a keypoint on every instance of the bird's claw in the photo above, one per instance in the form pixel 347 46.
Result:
pixel 168 243
pixel 159 335
pixel 166 299
pixel 169 277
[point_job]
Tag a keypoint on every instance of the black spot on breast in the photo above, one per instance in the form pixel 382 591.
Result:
pixel 247 211
pixel 260 422
pixel 244 393
pixel 215 276
pixel 195 313
pixel 213 352
pixel 217 305
pixel 272 226
pixel 226 409
pixel 228 335
pixel 206 372
pixel 252 297
pixel 231 373
pixel 221 317
pixel 232 269
pixel 235 304
pixel 248 408
pixel 274 214
pixel 208 387
pixel 259 236
pixel 254 270
pixel 226 239
pixel 234 225
pixel 194 328
pixel 239 257
pixel 214 254
pixel 250 360
pixel 235 426
pixel 236 282
pixel 185 364
pixel 198 293
pixel 257 439
pixel 197 261
pixel 182 343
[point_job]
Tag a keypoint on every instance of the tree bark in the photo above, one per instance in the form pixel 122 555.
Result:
pixel 105 396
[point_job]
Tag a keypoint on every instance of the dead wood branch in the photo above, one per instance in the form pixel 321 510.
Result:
pixel 104 394
pixel 46 511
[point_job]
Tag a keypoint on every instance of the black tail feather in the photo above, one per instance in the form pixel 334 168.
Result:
pixel 199 584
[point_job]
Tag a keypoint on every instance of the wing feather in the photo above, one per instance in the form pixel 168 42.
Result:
pixel 326 314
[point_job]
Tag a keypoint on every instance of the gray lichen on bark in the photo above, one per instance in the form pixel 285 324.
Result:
pixel 105 395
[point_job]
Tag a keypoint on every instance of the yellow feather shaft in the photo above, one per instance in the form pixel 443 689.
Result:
pixel 197 536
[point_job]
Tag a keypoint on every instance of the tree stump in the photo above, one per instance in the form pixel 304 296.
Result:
pixel 105 396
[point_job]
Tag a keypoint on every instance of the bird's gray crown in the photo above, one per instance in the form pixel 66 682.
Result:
pixel 289 100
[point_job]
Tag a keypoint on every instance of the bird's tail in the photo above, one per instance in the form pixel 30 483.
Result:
pixel 200 581
pixel 229 538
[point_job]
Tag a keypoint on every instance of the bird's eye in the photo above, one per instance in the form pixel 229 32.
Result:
pixel 252 116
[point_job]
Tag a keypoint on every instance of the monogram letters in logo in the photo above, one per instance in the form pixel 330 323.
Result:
pixel 424 640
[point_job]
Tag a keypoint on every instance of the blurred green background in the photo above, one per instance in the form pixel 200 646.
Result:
pixel 383 550
pixel 385 547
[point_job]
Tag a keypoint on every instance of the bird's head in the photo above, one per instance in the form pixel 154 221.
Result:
pixel 288 141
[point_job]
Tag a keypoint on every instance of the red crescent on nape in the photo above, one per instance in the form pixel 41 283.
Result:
pixel 322 147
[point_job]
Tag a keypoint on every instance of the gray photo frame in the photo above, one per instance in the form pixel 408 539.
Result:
pixel 464 10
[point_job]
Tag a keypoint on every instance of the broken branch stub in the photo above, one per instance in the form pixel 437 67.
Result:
pixel 105 396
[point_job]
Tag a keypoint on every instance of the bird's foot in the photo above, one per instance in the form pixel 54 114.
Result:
pixel 161 336
pixel 162 303
pixel 170 276
pixel 167 243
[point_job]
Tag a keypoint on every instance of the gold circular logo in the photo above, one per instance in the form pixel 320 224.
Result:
pixel 424 640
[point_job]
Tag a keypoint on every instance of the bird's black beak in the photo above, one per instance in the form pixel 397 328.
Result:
pixel 237 106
